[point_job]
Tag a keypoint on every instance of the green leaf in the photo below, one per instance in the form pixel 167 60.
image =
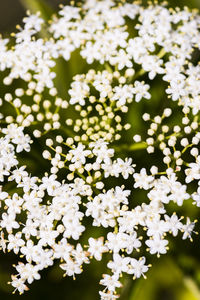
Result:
pixel 38 5
pixel 165 281
pixel 191 291
pixel 164 277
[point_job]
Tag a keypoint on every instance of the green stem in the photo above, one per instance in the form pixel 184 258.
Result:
pixel 161 53
pixel 138 74
pixel 132 147
pixel 16 109
pixel 188 146
pixel 108 68
pixel 68 131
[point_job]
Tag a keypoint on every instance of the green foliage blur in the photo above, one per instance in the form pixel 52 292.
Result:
pixel 176 276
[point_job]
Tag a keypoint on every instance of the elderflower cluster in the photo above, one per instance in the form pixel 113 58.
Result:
pixel 79 139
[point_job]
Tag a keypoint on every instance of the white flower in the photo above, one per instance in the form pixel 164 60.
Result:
pixel 117 241
pixel 31 251
pixel 28 272
pixel 28 183
pixel 47 236
pixel 50 184
pixel 3 195
pixel 18 284
pixel 33 22
pixel 188 229
pixel 123 167
pixel 80 255
pixel 127 221
pixel 14 204
pixel 140 90
pixel 79 155
pixel 3 242
pixel 119 264
pixel 16 135
pixel 111 282
pixel 176 89
pixel 73 229
pixel 142 180
pixel 138 267
pixel 71 268
pixel 174 224
pixel 193 172
pixel 157 245
pixel 121 94
pixel 179 193
pixel 152 64
pixel 8 222
pixel 62 250
pixel 97 248
pixel 133 243
pixel 18 174
pixel 78 92
pixel 108 295
pixel 156 227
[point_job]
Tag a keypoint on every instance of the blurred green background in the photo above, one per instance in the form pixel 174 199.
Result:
pixel 175 276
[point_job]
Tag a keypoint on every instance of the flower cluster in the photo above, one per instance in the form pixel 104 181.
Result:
pixel 81 139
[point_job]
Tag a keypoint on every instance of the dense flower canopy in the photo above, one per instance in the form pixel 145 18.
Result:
pixel 126 47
